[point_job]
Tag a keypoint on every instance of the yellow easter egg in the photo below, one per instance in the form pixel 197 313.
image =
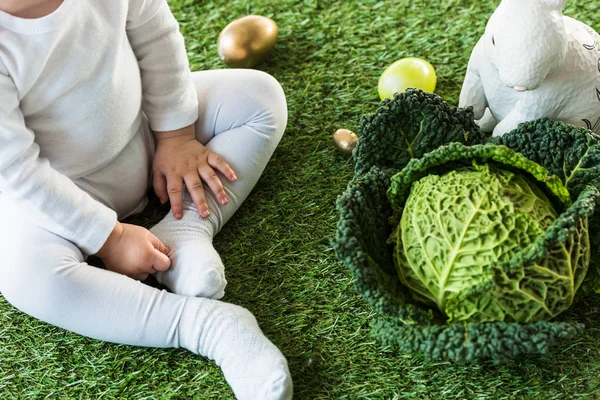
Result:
pixel 406 73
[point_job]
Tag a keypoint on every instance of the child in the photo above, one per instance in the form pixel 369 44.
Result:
pixel 96 97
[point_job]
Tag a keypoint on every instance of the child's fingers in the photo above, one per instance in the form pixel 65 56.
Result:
pixel 159 183
pixel 140 277
pixel 158 245
pixel 221 165
pixel 175 192
pixel 193 183
pixel 161 261
pixel 159 257
pixel 214 183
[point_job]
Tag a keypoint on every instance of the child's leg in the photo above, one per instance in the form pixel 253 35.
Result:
pixel 45 276
pixel 242 116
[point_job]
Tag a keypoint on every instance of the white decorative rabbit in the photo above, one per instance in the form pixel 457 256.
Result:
pixel 533 62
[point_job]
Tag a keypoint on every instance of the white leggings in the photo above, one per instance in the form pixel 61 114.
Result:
pixel 242 116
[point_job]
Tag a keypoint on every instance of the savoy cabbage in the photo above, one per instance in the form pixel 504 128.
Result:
pixel 459 229
pixel 519 210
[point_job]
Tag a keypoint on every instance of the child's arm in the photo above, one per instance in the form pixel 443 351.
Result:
pixel 51 199
pixel 169 96
pixel 55 203
pixel 170 102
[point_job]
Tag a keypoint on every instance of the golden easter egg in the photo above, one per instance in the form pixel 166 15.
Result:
pixel 345 141
pixel 246 41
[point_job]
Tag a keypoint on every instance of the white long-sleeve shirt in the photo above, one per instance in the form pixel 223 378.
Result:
pixel 71 86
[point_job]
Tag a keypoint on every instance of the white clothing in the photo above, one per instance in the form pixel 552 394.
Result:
pixel 242 116
pixel 76 152
pixel 76 76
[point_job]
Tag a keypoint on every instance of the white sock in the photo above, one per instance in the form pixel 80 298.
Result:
pixel 196 268
pixel 230 335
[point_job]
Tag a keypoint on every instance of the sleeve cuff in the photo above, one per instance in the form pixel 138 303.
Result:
pixel 185 114
pixel 94 234
pixel 172 122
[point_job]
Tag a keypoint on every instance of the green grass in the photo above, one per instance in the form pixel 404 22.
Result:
pixel 279 263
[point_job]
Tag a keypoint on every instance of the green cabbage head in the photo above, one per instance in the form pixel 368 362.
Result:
pixel 498 233
pixel 458 233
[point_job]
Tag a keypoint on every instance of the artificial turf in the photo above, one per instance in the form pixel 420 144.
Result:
pixel 276 250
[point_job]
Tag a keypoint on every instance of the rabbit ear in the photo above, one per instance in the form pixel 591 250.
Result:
pixel 557 4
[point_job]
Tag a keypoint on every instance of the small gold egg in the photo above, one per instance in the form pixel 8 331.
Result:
pixel 246 41
pixel 345 141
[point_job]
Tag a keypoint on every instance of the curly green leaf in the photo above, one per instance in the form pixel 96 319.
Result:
pixel 408 126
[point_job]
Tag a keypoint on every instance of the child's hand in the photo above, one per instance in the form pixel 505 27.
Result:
pixel 133 251
pixel 180 159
